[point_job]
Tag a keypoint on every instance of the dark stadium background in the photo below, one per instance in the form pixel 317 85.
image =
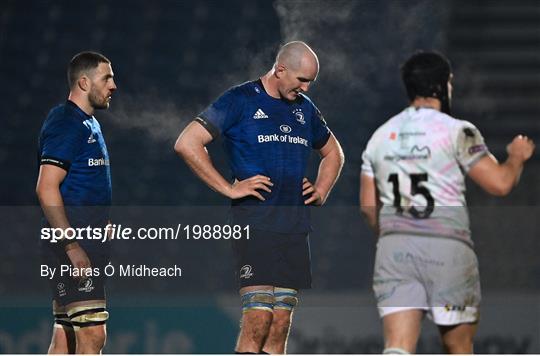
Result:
pixel 172 58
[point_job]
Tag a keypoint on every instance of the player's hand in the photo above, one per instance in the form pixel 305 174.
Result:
pixel 521 148
pixel 78 258
pixel 250 186
pixel 309 189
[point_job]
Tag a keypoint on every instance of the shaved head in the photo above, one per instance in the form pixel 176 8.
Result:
pixel 296 67
pixel 296 55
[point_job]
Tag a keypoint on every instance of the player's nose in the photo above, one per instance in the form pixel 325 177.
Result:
pixel 304 87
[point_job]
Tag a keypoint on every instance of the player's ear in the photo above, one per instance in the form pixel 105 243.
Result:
pixel 83 83
pixel 280 70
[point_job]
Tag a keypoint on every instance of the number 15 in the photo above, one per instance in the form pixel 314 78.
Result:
pixel 416 188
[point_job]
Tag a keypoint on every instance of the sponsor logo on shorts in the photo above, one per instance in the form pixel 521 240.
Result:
pixel 408 258
pixel 86 285
pixel 61 289
pixel 450 307
pixel 245 272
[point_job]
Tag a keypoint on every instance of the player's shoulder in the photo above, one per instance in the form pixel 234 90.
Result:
pixel 238 94
pixel 389 126
pixel 456 125
pixel 63 116
pixel 436 115
pixel 66 111
pixel 309 107
pixel 435 118
pixel 457 129
pixel 246 89
pixel 303 99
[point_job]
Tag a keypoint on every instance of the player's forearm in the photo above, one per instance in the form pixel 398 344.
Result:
pixel 509 174
pixel 370 214
pixel 198 159
pixel 329 171
pixel 52 205
pixel 499 178
pixel 370 203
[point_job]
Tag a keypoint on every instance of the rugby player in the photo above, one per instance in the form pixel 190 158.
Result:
pixel 74 191
pixel 269 127
pixel 412 194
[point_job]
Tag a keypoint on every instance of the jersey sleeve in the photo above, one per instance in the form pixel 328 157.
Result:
pixel 222 113
pixel 321 132
pixel 61 142
pixel 470 145
pixel 367 165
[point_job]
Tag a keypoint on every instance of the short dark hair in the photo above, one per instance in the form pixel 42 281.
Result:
pixel 81 62
pixel 426 74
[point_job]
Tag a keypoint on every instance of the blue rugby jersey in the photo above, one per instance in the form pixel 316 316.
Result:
pixel 72 140
pixel 272 137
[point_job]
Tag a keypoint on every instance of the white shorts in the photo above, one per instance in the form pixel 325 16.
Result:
pixel 434 274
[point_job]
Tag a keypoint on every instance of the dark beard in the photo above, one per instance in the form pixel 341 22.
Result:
pixel 95 103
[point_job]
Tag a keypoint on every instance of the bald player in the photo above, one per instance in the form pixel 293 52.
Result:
pixel 269 128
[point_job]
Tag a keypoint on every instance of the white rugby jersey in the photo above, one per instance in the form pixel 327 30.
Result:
pixel 419 159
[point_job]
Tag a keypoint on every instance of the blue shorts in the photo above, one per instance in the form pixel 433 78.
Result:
pixel 274 259
pixel 64 287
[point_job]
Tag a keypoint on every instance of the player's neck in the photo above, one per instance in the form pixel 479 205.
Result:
pixel 81 102
pixel 270 85
pixel 421 102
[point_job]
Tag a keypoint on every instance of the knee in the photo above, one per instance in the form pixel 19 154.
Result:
pixel 91 339
pixel 255 325
pixel 463 345
pixel 459 339
pixel 63 341
pixel 257 319
pixel 57 347
pixel 257 307
pixel 89 323
pixel 282 321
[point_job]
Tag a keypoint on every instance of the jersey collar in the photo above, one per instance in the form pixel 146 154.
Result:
pixel 78 110
pixel 298 99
